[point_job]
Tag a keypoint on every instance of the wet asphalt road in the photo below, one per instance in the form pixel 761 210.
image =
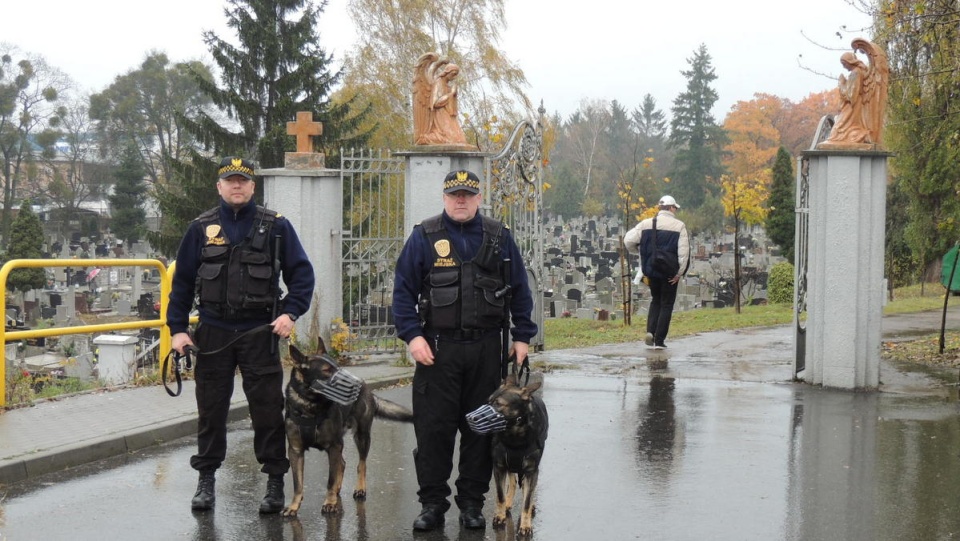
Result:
pixel 655 447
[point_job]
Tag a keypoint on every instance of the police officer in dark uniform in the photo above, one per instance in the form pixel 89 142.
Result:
pixel 231 259
pixel 450 304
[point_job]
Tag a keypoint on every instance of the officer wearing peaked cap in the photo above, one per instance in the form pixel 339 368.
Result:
pixel 231 260
pixel 447 309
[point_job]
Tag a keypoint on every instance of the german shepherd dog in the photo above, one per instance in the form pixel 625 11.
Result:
pixel 313 420
pixel 517 449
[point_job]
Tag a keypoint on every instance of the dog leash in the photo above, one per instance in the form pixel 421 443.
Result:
pixel 185 361
pixel 180 362
pixel 519 372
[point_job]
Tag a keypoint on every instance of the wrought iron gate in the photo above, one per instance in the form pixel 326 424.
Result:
pixel 372 239
pixel 514 195
pixel 373 235
pixel 802 245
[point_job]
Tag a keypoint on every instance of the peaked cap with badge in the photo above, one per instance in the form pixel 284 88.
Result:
pixel 456 181
pixel 233 165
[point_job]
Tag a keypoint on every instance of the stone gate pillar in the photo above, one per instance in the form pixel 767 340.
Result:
pixel 311 199
pixel 847 209
pixel 425 169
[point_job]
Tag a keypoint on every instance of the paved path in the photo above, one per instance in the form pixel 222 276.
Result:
pixel 56 434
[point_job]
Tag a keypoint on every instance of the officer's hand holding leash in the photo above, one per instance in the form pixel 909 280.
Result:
pixel 282 326
pixel 179 341
pixel 420 351
pixel 518 351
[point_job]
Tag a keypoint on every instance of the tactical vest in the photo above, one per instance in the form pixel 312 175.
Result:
pixel 237 282
pixel 464 295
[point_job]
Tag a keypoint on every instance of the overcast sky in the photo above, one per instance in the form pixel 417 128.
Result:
pixel 602 49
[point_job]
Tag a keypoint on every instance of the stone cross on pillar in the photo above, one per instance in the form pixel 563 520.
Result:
pixel 304 128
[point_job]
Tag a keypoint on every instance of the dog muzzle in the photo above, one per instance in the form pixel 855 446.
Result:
pixel 342 387
pixel 486 420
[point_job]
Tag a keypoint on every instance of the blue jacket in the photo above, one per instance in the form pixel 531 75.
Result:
pixel 671 236
pixel 295 267
pixel 416 260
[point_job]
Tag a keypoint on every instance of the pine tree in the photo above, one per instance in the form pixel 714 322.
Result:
pixel 128 218
pixel 696 136
pixel 26 242
pixel 782 219
pixel 277 70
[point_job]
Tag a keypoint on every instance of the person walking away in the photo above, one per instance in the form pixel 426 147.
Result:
pixel 458 277
pixel 666 233
pixel 231 259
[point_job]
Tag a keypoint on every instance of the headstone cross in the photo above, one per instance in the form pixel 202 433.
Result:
pixel 303 128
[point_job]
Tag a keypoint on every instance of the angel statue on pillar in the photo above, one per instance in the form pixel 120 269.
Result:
pixel 863 94
pixel 435 110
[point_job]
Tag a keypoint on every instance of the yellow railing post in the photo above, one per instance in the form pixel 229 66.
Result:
pixel 165 286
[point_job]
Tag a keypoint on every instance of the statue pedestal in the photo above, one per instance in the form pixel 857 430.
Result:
pixel 847 212
pixel 425 170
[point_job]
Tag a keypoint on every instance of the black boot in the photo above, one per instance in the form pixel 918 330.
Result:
pixel 273 501
pixel 471 518
pixel 430 518
pixel 205 496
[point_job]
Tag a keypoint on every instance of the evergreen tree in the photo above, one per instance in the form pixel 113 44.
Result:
pixel 181 201
pixel 277 70
pixel 696 136
pixel 128 218
pixel 26 242
pixel 649 121
pixel 782 218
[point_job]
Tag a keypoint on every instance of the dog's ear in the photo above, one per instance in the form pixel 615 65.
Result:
pixel 321 347
pixel 295 354
pixel 511 380
pixel 530 389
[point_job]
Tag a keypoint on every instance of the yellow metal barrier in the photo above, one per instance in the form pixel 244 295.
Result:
pixel 165 285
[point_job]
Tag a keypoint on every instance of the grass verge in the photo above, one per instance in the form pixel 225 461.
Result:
pixel 567 333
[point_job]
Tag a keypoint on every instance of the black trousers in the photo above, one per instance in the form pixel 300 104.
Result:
pixel 262 384
pixel 462 378
pixel 664 295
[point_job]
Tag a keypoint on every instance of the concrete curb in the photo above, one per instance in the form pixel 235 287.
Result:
pixel 64 457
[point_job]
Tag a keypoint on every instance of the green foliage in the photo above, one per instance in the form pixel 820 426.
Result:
pixel 696 136
pixel 129 195
pixel 781 219
pixel 276 69
pixel 180 202
pixel 142 108
pixel 922 125
pixel 707 219
pixel 29 91
pixel 26 242
pixel 566 193
pixel 897 255
pixel 780 284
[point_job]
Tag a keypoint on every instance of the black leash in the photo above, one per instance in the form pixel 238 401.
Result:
pixel 185 361
pixel 519 372
pixel 180 363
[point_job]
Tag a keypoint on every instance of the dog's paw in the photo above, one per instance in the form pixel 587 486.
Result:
pixel 524 532
pixel 499 521
pixel 331 509
pixel 289 512
pixel 360 495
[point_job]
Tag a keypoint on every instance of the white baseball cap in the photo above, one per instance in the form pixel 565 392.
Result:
pixel 668 201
